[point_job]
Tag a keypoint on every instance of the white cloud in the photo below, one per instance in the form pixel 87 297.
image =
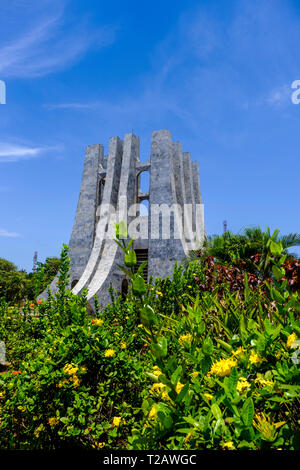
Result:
pixel 5 233
pixel 49 43
pixel 14 153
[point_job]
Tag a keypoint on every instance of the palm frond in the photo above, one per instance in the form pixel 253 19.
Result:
pixel 292 239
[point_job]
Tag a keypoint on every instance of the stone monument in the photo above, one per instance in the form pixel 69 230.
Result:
pixel 110 191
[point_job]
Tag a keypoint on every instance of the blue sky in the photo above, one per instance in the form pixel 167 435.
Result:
pixel 217 73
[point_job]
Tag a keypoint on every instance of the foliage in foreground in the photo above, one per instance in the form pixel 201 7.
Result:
pixel 174 366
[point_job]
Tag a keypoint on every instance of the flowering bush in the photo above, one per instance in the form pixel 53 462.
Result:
pixel 173 366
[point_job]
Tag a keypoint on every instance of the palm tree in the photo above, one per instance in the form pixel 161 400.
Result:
pixel 251 241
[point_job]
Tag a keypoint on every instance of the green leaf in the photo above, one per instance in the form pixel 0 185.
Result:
pixel 215 409
pixel 246 288
pixel 147 316
pixel 233 380
pixel 247 413
pixel 276 248
pixel 278 272
pixel 160 349
pixel 130 258
pixel 138 285
pixel 277 296
pixel 121 230
pixel 224 345
pixel 207 346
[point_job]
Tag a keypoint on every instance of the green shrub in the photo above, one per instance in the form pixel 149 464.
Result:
pixel 172 366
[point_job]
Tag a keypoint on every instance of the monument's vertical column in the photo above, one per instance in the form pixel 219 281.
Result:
pixel 107 207
pixel 196 183
pixel 163 252
pixel 81 241
pixel 107 272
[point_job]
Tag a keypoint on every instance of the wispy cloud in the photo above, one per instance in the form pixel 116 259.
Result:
pixel 6 233
pixel 204 68
pixel 49 42
pixel 79 106
pixel 13 153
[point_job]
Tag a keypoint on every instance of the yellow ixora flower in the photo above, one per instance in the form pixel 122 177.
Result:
pixel 228 445
pixel 75 380
pixel 38 430
pixel 291 339
pixel 53 421
pixel 70 369
pixel 109 352
pixel 157 386
pixel 97 321
pixel 159 293
pixel 243 385
pixel 223 367
pixel 123 345
pixel 254 358
pixel 157 371
pixel 240 350
pixel 153 413
pixel 188 338
pixel 208 396
pixel 260 381
pixel 179 387
pixel 98 445
pixel 194 374
pixel 117 421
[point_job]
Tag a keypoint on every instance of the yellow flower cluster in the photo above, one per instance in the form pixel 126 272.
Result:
pixel 153 413
pixel 123 345
pixel 208 396
pixel 157 371
pixel 70 369
pixel 98 445
pixel 117 421
pixel 38 430
pixel 254 358
pixel 53 421
pixel 159 293
pixel 188 338
pixel 97 321
pixel 179 387
pixel 243 385
pixel 239 351
pixel 194 374
pixel 109 352
pixel 291 339
pixel 72 380
pixel 228 445
pixel 264 382
pixel 223 367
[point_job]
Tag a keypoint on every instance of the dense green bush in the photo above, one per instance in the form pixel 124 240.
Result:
pixel 174 366
pixel 17 286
